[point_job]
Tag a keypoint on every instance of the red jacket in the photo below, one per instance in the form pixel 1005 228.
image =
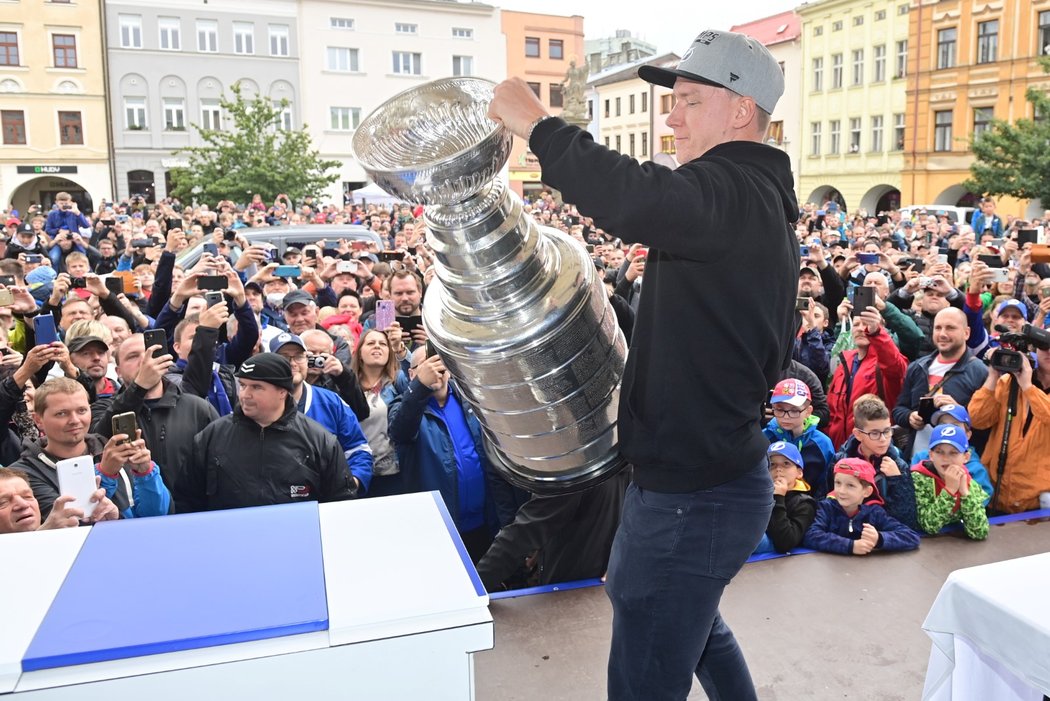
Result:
pixel 883 365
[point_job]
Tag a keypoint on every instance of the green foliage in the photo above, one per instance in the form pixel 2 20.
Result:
pixel 255 155
pixel 1014 159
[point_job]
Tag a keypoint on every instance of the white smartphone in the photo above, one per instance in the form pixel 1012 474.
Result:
pixel 942 257
pixel 1000 275
pixel 76 478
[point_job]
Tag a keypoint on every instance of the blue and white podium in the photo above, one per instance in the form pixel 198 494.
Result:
pixel 371 599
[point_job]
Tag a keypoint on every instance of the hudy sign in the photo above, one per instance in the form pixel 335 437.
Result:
pixel 46 170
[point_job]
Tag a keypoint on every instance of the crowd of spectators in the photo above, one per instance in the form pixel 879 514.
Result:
pixel 253 388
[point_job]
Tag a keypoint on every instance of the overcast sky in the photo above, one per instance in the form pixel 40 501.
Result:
pixel 670 24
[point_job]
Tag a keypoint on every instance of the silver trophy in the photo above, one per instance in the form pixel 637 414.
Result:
pixel 517 311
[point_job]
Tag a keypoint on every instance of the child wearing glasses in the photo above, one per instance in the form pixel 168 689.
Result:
pixel 944 490
pixel 793 504
pixel 793 422
pixel 872 441
pixel 851 521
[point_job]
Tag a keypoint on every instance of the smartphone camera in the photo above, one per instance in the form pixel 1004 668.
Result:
pixel 803 251
pixel 78 283
pixel 316 362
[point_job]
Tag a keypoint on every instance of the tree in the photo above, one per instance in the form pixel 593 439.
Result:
pixel 256 155
pixel 1014 159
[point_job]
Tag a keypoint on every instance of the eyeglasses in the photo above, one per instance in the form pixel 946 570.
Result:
pixel 878 435
pixel 790 413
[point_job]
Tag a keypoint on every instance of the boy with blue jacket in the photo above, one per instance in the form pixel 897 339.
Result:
pixel 793 422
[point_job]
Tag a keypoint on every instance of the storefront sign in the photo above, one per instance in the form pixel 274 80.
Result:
pixel 45 170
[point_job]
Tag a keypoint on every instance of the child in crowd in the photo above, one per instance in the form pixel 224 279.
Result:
pixel 956 415
pixel 852 521
pixel 793 422
pixel 944 490
pixel 793 505
pixel 872 441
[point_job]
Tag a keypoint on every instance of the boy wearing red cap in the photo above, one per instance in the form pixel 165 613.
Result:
pixel 852 521
pixel 944 491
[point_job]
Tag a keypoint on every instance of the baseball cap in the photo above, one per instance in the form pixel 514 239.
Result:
pixel 267 367
pixel 297 297
pixel 81 342
pixel 14 221
pixel 809 269
pixel 369 256
pixel 949 434
pixel 284 338
pixel 953 410
pixel 1016 304
pixel 726 60
pixel 253 285
pixel 791 391
pixel 862 470
pixel 787 450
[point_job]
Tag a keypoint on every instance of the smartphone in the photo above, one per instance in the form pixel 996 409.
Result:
pixel 275 256
pixel 44 327
pixel 127 424
pixel 802 304
pixel 213 298
pixel 384 314
pixel 142 243
pixel 115 285
pixel 431 348
pixel 590 248
pixel 6 298
pixel 997 243
pixel 156 337
pixel 409 324
pixel 863 298
pixel 213 282
pixel 850 291
pixel 7 280
pixel 358 245
pixel 991 261
pixel 926 408
pixel 942 257
pixel 803 251
pixel 34 258
pixel 287 271
pixel 346 266
pixel 76 478
pixel 229 235
pixel 868 258
pixel 391 255
pixel 1000 275
pixel 211 248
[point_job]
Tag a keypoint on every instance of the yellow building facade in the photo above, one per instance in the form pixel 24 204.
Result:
pixel 854 63
pixel 971 62
pixel 52 104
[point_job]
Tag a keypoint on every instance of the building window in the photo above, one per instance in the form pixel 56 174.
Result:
pixel 946 48
pixel 556 49
pixel 405 28
pixel 174 114
pixel 876 133
pixel 8 49
pixel 14 126
pixel 284 115
pixel 645 102
pixel 836 71
pixel 170 33
pixel 879 73
pixel 536 90
pixel 619 147
pixel 854 135
pixel 65 51
pixel 880 15
pixel 341 23
pixel 135 113
pixel 278 39
pixel 1044 33
pixel 666 144
pixel 345 118
pixel 858 66
pixel 630 145
pixel 408 63
pixel 645 144
pixel 341 58
pixel 556 95
pixel 982 120
pixel 818 74
pixel 607 142
pixel 630 104
pixel 462 33
pixel 532 47
pixel 70 128
pixel 836 26
pixel 903 9
pixel 901 69
pixel 942 130
pixel 898 132
pixel 858 20
pixel 462 65
pixel 987 41
pixel 207 36
pixel 617 110
pixel 834 136
pixel 775 134
pixel 818 30
pixel 814 130
pixel 130 31
pixel 211 115
pixel 243 38
pixel 666 104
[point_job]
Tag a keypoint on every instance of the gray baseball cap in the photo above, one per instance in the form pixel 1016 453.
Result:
pixel 726 60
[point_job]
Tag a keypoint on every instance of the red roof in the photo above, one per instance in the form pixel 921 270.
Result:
pixel 776 29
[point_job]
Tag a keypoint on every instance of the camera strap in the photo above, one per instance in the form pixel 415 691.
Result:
pixel 1011 411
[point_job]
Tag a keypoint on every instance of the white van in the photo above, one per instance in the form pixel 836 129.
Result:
pixel 956 215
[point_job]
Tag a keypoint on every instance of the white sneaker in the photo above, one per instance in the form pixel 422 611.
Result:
pixel 1044 500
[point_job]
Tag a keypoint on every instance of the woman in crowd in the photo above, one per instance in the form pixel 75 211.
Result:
pixel 382 379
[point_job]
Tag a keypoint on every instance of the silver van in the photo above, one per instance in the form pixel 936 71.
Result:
pixel 284 236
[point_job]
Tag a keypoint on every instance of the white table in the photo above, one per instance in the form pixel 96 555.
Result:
pixel 404 613
pixel 990 627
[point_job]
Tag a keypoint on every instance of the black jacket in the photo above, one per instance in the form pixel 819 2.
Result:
pixel 349 390
pixel 238 463
pixel 719 293
pixel 792 516
pixel 43 477
pixel 168 424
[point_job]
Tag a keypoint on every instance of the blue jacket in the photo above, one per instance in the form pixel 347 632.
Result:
pixel 328 409
pixel 898 492
pixel 149 493
pixel 817 453
pixel 974 466
pixel 834 532
pixel 813 349
pixel 978 222
pixel 65 219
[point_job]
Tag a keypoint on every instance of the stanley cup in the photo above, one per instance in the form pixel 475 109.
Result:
pixel 517 311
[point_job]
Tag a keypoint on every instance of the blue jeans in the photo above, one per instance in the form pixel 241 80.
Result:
pixel 672 557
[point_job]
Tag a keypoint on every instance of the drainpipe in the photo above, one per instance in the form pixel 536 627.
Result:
pixel 110 147
pixel 915 110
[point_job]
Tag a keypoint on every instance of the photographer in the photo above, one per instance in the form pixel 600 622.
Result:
pixel 1022 480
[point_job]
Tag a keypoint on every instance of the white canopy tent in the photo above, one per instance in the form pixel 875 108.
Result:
pixel 373 194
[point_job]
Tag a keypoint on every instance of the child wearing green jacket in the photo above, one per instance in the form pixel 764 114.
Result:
pixel 944 491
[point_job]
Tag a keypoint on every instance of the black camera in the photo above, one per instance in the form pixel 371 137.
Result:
pixel 1009 358
pixel 77 283
pixel 315 361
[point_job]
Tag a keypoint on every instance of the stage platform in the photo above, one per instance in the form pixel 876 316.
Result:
pixel 813 626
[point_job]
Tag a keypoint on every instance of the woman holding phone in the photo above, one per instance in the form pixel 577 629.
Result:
pixel 381 378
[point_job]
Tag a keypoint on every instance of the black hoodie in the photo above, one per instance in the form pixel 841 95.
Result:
pixel 716 320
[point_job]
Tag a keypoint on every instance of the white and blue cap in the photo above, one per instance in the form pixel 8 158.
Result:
pixel 726 60
pixel 1013 304
pixel 950 434
pixel 955 411
pixel 283 338
pixel 787 450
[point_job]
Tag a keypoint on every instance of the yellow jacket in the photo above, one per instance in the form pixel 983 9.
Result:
pixel 1028 456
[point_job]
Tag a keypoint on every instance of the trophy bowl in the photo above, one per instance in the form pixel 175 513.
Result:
pixel 434 144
